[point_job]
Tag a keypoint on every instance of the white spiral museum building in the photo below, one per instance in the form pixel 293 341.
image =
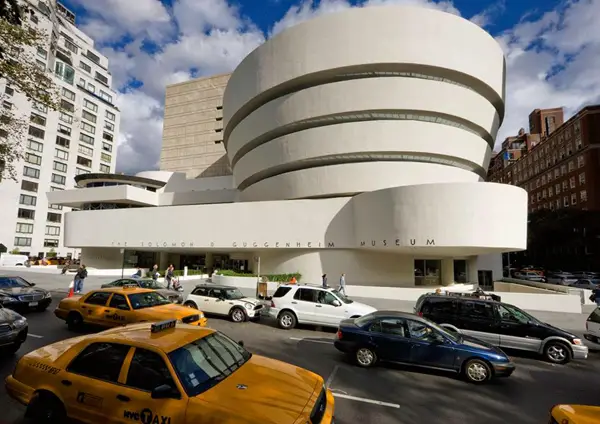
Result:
pixel 359 143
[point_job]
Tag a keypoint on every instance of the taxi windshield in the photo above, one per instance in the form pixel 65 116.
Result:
pixel 151 284
pixel 147 300
pixel 234 294
pixel 206 362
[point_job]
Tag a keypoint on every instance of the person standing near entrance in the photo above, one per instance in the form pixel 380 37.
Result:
pixel 324 278
pixel 79 278
pixel 154 273
pixel 169 274
pixel 342 288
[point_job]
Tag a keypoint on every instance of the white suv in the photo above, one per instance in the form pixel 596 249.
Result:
pixel 304 304
pixel 223 300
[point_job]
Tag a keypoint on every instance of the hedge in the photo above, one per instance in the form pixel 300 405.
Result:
pixel 277 278
pixel 179 272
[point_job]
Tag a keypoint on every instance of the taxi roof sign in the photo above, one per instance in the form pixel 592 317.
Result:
pixel 157 327
pixel 130 286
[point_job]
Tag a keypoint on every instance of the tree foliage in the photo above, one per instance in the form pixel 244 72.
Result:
pixel 24 76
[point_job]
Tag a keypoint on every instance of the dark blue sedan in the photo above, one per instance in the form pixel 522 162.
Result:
pixel 404 338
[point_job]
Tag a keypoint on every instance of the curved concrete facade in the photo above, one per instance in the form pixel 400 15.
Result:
pixel 359 142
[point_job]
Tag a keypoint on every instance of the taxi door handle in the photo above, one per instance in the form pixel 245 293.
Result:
pixel 123 398
pixel 294 303
pixel 84 307
pixel 66 383
pixel 318 306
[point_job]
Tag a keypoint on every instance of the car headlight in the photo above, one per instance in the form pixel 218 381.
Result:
pixel 201 315
pixel 21 322
pixel 7 299
pixel 249 306
pixel 577 342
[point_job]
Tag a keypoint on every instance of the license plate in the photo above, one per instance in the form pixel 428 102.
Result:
pixel 33 304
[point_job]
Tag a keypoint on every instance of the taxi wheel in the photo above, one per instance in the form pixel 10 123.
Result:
pixel 557 353
pixel 45 408
pixel 365 357
pixel 286 320
pixel 477 371
pixel 190 305
pixel 237 315
pixel 74 321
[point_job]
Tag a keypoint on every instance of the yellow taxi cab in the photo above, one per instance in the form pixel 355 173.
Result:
pixel 165 373
pixel 119 306
pixel 575 414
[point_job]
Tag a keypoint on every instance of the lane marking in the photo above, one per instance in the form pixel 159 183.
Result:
pixel 332 376
pixel 371 401
pixel 35 336
pixel 309 340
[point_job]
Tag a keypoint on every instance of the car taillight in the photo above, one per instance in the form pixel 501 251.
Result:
pixel 272 304
pixel 339 334
pixel 420 314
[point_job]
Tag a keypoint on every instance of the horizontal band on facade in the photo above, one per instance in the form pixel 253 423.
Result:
pixel 361 116
pixel 374 70
pixel 346 158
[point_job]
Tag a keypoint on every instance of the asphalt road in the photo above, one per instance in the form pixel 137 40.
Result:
pixel 385 394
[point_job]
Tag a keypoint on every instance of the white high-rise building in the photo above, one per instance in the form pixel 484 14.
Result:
pixel 80 139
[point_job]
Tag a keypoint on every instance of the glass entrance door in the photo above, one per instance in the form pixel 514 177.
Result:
pixel 428 272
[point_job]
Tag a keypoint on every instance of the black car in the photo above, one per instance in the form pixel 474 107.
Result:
pixel 500 324
pixel 398 337
pixel 18 294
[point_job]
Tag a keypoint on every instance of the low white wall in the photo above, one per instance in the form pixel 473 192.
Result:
pixel 242 282
pixel 582 293
pixel 568 303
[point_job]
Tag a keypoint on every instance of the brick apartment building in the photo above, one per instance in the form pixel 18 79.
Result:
pixel 558 163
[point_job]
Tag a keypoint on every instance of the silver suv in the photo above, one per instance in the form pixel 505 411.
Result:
pixel 13 330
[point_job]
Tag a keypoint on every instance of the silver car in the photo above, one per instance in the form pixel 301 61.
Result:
pixel 147 283
pixel 562 278
pixel 13 330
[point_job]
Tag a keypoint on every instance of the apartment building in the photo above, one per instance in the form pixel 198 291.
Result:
pixel 193 128
pixel 79 139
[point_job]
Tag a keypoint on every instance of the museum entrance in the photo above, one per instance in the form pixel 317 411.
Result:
pixel 428 272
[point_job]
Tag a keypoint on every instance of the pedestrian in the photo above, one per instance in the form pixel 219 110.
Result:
pixel 79 278
pixel 595 297
pixel 342 287
pixel 154 273
pixel 169 274
pixel 138 274
pixel 324 278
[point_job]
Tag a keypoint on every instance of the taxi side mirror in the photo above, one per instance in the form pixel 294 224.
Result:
pixel 164 391
pixel 336 303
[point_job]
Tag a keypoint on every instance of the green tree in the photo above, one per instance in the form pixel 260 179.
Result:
pixel 24 76
pixel 15 251
pixel 51 253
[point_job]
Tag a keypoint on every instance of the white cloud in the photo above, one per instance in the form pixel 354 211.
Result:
pixel 552 59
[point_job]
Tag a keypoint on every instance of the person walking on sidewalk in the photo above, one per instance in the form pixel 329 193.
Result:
pixel 79 278
pixel 342 287
pixel 169 275
pixel 324 278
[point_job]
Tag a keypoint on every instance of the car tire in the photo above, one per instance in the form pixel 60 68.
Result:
pixel 557 352
pixel 237 314
pixel 365 357
pixel 190 304
pixel 74 321
pixel 477 371
pixel 287 320
pixel 45 408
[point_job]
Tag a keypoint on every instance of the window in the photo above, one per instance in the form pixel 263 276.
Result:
pixel 87 127
pixel 550 191
pixel 68 94
pixel 67 106
pixel 27 200
pixel 24 228
pixel 573 198
pixel 79 171
pixel 476 310
pixel 84 161
pixel 54 217
pixel 63 142
pixel 56 189
pixel 582 178
pixel 107 147
pixel 87 68
pixel 35 146
pixel 566 201
pixel 29 186
pixel 38 119
pixel 580 162
pixel 104 168
pixel 148 371
pixel 557 188
pixel 102 361
pixel 23 241
pixel 89 116
pixel 42 53
pixel 86 139
pixel 556 173
pixel 61 154
pixel 421 331
pixel 91 56
pixel 306 295
pixel 91 88
pixel 107 136
pixel 59 166
pixel 105 96
pixel 64 72
pixel 59 179
pixel 65 117
pixel 563 169
pixel 7 105
pixel 105 157
pixel 583 195
pixel 36 132
pixel 390 326
pixel 9 90
pixel 110 116
pixel 90 105
pixel 572 182
pixel 101 78
pixel 50 243
pixel 41 65
pixel 565 185
pixel 63 129
pixel 118 300
pixel 52 231
pixel 31 172
pixel 109 126
pixel 71 46
pixel 55 207
pixel 26 214
pixel 33 159
pixel 85 150
pixel 571 165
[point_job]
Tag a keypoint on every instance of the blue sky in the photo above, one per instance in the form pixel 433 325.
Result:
pixel 552 49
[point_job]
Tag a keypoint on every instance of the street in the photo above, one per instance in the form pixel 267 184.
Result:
pixel 385 394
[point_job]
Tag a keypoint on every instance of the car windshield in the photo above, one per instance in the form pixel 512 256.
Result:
pixel 517 314
pixel 455 337
pixel 147 300
pixel 206 362
pixel 234 294
pixel 342 297
pixel 151 284
pixel 12 282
